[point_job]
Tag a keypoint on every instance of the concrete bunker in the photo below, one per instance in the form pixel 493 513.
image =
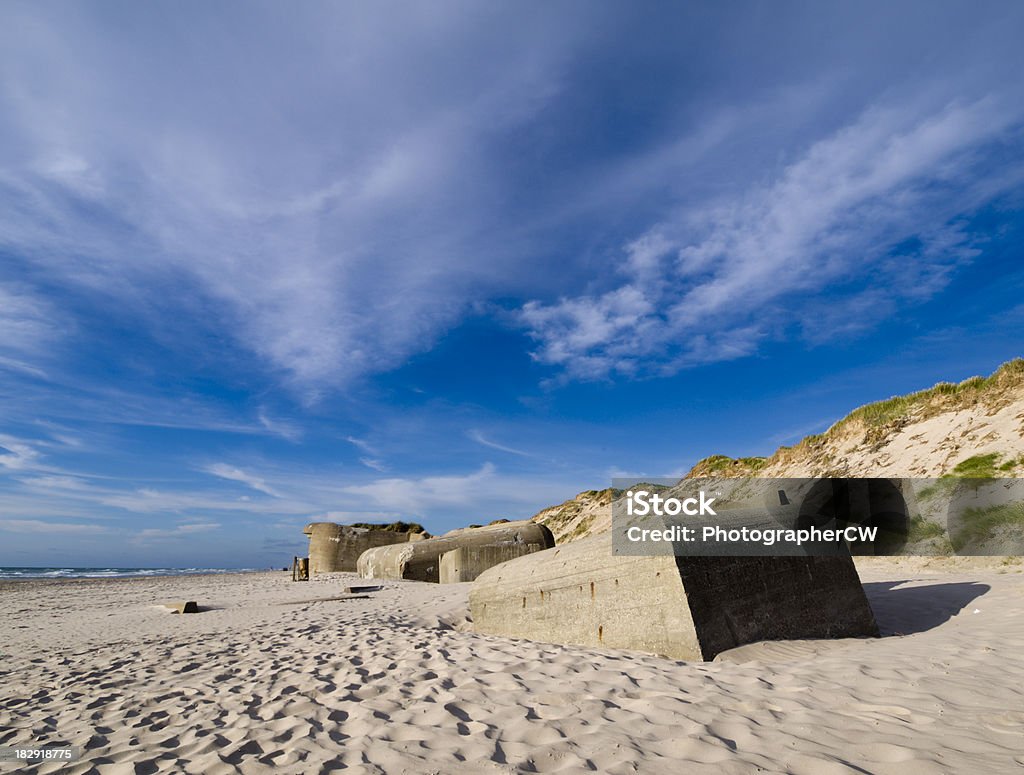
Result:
pixel 480 547
pixel 690 608
pixel 336 548
pixel 695 607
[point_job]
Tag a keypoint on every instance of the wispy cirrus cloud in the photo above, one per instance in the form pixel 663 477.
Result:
pixel 177 533
pixel 168 198
pixel 374 463
pixel 362 445
pixel 470 495
pixel 18 454
pixel 234 474
pixel 285 430
pixel 371 458
pixel 28 330
pixel 39 526
pixel 416 495
pixel 148 500
pixel 24 367
pixel 478 436
pixel 59 483
pixel 874 215
pixel 180 211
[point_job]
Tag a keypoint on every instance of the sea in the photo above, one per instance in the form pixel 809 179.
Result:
pixel 25 574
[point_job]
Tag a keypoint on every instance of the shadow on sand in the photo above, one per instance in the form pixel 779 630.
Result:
pixel 903 610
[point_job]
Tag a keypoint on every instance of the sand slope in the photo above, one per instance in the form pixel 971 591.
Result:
pixel 391 684
pixel 924 434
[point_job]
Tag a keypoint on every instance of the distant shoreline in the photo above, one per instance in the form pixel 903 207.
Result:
pixel 9 583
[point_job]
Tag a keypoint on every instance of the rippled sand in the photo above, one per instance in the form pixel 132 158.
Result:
pixel 267 680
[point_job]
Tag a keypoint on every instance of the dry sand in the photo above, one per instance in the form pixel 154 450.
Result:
pixel 262 681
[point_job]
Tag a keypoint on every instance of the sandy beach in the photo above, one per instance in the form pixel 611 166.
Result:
pixel 285 677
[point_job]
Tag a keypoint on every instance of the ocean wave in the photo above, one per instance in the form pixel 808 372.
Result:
pixel 26 573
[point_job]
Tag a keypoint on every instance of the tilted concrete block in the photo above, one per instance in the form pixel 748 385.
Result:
pixel 690 608
pixel 183 607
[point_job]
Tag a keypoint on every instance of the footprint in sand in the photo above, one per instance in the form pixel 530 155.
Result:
pixel 1009 723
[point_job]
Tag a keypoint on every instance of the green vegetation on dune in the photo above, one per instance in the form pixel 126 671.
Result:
pixel 929 536
pixel 881 417
pixel 941 396
pixel 722 465
pixel 566 512
pixel 978 467
pixel 922 529
pixel 1012 463
pixel 394 527
pixel 980 525
pixel 582 529
pixel 941 487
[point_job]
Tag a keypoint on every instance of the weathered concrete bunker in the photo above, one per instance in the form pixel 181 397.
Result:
pixel 334 548
pixel 690 608
pixel 467 562
pixel 474 550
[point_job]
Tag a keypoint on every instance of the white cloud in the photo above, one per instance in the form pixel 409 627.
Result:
pixel 328 258
pixel 590 335
pixel 17 454
pixel 478 436
pixel 345 253
pixel 280 428
pixel 57 482
pixel 363 445
pixel 343 517
pixel 225 471
pixel 27 330
pixel 818 245
pixel 417 496
pixel 147 500
pixel 41 526
pixel 372 458
pixel 14 364
pixel 374 463
pixel 178 532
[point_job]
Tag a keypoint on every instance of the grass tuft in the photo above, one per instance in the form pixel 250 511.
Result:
pixel 879 417
pixel 922 529
pixel 394 527
pixel 979 524
pixel 978 466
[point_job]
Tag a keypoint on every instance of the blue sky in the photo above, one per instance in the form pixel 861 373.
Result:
pixel 265 264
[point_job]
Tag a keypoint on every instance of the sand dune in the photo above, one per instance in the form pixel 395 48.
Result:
pixel 265 680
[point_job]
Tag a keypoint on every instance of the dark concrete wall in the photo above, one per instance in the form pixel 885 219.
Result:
pixel 738 600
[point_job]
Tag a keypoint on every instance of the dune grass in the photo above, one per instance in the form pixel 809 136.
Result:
pixel 884 412
pixel 877 417
pixel 394 527
pixel 978 466
pixel 922 529
pixel 979 524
